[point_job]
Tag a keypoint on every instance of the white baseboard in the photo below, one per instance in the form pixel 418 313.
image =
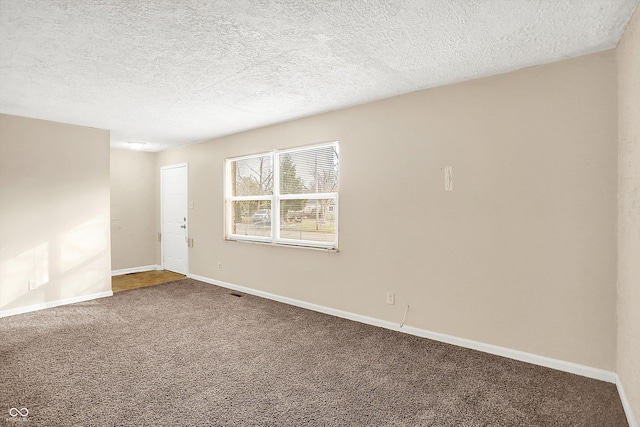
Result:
pixel 626 404
pixel 561 365
pixel 51 304
pixel 135 270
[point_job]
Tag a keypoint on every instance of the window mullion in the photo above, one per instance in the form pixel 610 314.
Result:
pixel 275 203
pixel 309 196
pixel 249 198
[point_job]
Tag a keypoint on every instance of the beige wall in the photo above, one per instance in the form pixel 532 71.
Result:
pixel 521 254
pixel 133 204
pixel 54 221
pixel 628 366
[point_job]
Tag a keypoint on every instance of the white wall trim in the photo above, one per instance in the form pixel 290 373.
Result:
pixel 51 304
pixel 626 404
pixel 561 365
pixel 135 270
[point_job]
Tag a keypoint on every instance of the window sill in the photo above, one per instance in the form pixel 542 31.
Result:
pixel 282 245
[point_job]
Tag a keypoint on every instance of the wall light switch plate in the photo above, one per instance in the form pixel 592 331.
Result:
pixel 448 178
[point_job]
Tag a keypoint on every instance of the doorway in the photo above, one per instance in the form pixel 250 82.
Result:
pixel 173 214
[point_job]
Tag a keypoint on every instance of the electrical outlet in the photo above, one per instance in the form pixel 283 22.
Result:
pixel 32 285
pixel 391 298
pixel 219 266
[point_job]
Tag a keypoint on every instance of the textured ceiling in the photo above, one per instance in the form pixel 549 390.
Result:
pixel 166 73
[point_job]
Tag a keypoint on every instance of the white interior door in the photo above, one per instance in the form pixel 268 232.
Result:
pixel 174 218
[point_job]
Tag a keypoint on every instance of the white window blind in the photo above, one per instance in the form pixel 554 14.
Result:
pixel 285 197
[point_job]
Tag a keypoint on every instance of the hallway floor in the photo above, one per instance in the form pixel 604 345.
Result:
pixel 140 280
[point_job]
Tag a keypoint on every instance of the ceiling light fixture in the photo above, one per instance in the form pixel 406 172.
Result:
pixel 136 145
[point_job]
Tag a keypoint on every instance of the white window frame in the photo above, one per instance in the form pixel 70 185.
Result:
pixel 275 199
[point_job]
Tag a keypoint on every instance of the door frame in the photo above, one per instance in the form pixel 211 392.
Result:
pixel 186 209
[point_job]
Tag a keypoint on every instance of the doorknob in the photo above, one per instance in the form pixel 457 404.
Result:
pixel 183 226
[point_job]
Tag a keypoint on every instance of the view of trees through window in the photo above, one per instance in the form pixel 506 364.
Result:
pixel 298 186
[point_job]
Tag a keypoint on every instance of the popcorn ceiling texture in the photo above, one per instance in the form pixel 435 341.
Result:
pixel 168 73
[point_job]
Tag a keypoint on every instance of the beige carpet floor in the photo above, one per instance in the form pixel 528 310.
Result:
pixel 188 353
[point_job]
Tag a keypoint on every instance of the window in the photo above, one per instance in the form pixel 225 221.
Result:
pixel 287 197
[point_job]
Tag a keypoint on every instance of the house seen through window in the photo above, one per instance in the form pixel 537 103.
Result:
pixel 286 196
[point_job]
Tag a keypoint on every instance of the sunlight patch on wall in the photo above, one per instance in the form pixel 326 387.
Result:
pixel 82 244
pixel 24 272
pixel 71 264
